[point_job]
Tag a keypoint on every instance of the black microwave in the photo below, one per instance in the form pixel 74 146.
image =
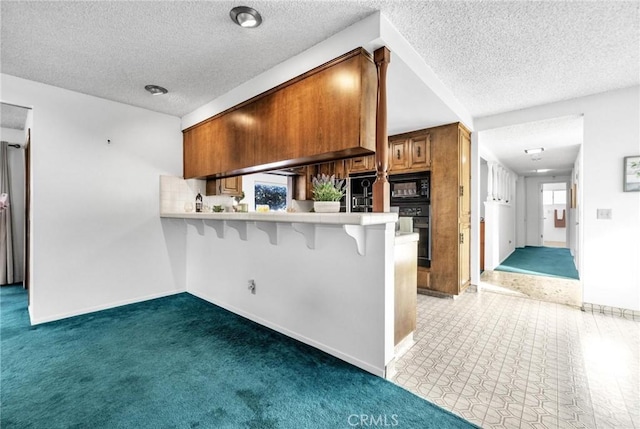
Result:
pixel 410 187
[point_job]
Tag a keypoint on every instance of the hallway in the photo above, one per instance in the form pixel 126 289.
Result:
pixel 539 272
pixel 509 362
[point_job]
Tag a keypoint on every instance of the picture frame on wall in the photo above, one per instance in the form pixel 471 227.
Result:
pixel 631 174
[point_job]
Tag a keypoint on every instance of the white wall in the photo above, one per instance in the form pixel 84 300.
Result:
pixel 484 176
pixel 574 212
pixel 610 250
pixel 97 237
pixel 521 207
pixel 500 232
pixel 16 195
pixel 330 297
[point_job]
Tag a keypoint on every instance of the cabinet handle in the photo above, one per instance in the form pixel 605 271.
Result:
pixel 398 154
pixel 418 149
pixel 357 160
pixel 461 238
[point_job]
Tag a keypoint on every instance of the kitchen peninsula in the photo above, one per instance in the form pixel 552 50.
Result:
pixel 328 280
pixel 324 279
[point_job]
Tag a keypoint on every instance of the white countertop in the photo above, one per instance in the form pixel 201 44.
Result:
pixel 406 237
pixel 363 219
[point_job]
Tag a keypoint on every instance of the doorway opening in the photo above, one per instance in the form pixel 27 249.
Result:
pixel 544 219
pixel 15 185
pixel 554 215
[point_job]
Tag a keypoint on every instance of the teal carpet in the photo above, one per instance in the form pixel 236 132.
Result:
pixel 180 362
pixel 540 261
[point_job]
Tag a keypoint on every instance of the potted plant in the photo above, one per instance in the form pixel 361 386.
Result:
pixel 327 193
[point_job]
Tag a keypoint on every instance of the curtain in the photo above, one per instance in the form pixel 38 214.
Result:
pixel 7 272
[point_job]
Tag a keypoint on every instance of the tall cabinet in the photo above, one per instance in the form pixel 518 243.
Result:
pixel 450 210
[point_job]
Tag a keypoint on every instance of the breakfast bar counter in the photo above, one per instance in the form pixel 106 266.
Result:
pixel 317 218
pixel 324 279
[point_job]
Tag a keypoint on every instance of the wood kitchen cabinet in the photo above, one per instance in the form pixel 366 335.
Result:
pixel 308 119
pixel 405 297
pixel 410 152
pixel 336 168
pixel 420 151
pixel 361 164
pixel 450 210
pixel 398 154
pixel 226 186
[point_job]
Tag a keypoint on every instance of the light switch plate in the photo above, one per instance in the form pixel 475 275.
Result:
pixel 604 214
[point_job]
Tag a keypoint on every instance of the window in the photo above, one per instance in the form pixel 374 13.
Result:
pixel 275 196
pixel 554 197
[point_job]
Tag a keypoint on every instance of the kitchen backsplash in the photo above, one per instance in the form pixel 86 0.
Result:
pixel 175 192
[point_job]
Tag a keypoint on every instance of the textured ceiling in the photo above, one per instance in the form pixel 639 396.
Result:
pixel 560 137
pixel 494 56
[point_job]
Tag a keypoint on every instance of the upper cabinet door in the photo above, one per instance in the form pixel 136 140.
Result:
pixel 420 151
pixel 328 113
pixel 398 159
pixel 198 151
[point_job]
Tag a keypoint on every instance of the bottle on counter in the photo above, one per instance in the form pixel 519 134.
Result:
pixel 199 203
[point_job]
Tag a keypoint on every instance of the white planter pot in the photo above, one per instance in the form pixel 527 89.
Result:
pixel 326 206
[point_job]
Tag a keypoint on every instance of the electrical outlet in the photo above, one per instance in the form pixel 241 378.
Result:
pixel 604 214
pixel 252 286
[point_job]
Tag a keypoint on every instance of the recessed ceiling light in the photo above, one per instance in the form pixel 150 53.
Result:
pixel 534 150
pixel 156 90
pixel 542 170
pixel 245 16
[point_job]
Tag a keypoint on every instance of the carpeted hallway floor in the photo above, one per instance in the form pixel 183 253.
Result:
pixel 545 273
pixel 541 261
pixel 180 362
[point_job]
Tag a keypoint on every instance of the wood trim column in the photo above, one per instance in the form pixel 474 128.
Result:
pixel 381 193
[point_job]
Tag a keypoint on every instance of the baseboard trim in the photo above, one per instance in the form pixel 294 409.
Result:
pixel 380 372
pixel 40 320
pixel 435 293
pixel 624 313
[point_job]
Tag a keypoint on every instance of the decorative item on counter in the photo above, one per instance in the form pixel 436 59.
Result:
pixel 262 208
pixel 199 203
pixel 327 193
pixel 188 206
pixel 218 209
pixel 240 207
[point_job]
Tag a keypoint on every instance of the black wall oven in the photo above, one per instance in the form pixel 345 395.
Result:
pixel 361 192
pixel 410 193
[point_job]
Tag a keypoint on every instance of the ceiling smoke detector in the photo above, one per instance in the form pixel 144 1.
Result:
pixel 156 90
pixel 245 16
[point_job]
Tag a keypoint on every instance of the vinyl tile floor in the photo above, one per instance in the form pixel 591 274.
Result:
pixel 504 361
